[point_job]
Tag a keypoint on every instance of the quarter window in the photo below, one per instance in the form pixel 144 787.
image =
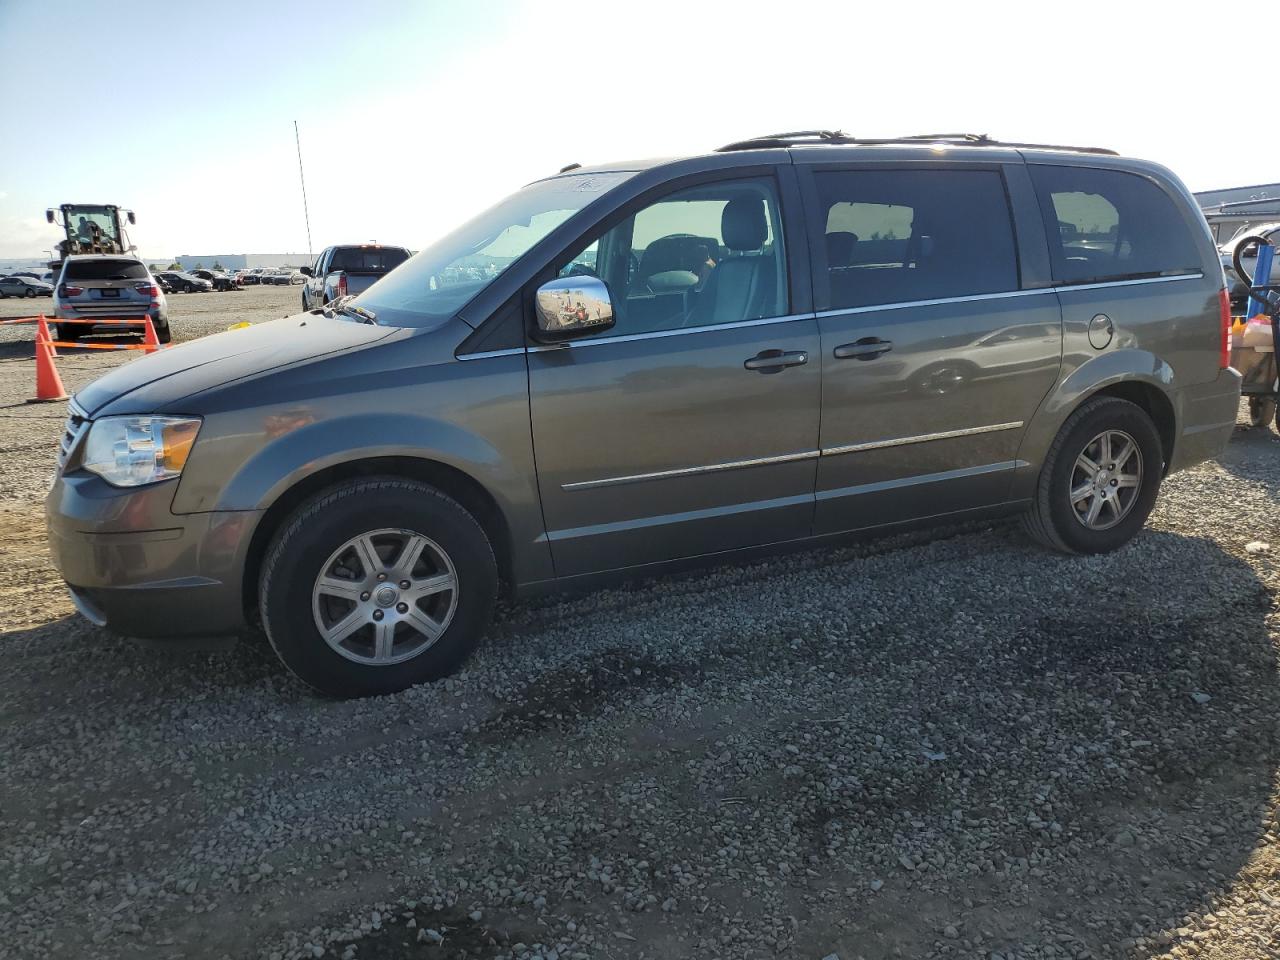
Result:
pixel 704 256
pixel 1111 225
pixel 894 236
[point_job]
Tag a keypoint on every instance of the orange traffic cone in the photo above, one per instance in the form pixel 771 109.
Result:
pixel 42 333
pixel 150 342
pixel 48 384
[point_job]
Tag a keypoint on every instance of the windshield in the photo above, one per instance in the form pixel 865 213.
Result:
pixel 91 224
pixel 105 270
pixel 445 276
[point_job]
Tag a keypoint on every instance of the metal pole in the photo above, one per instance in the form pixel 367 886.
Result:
pixel 303 180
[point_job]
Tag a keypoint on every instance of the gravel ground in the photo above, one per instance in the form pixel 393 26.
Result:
pixel 936 745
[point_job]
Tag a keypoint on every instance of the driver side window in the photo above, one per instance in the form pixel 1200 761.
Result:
pixel 704 256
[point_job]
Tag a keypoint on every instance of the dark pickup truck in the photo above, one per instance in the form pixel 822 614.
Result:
pixel 348 270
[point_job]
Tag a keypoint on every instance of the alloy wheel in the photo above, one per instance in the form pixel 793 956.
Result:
pixel 385 596
pixel 1106 480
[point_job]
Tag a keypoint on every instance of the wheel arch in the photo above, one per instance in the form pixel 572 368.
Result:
pixel 1137 376
pixel 1153 401
pixel 455 483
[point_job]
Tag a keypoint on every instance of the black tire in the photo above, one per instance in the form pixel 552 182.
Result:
pixel 1262 411
pixel 163 333
pixel 29 293
pixel 68 331
pixel 1052 521
pixel 321 525
pixel 188 288
pixel 305 308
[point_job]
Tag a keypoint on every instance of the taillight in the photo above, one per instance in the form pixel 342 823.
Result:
pixel 1224 308
pixel 67 291
pixel 342 285
pixel 147 289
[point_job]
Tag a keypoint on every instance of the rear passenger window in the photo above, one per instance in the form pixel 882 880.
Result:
pixel 893 236
pixel 1110 225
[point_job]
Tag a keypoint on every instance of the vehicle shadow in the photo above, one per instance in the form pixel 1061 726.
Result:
pixel 25 349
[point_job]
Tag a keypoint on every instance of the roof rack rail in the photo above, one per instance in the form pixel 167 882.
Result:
pixel 787 139
pixel 803 137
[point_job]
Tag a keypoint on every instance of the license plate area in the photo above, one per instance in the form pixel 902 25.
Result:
pixel 109 293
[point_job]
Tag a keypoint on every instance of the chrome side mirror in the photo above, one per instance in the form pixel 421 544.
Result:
pixel 573 306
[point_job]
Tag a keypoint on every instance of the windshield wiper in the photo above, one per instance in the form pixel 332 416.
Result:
pixel 341 307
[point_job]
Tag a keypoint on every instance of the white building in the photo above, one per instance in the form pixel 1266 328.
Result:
pixel 242 261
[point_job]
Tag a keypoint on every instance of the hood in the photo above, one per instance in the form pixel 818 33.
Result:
pixel 177 372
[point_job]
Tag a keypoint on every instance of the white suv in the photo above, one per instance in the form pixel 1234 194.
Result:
pixel 107 286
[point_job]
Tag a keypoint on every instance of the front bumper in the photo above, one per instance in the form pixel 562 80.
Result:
pixel 1207 417
pixel 138 569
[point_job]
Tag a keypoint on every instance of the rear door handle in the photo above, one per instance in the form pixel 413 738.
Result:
pixel 772 361
pixel 868 348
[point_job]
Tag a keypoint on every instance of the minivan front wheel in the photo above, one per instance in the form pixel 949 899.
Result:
pixel 1099 480
pixel 377 585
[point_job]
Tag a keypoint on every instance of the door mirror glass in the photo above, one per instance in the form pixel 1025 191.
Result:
pixel 305 271
pixel 573 306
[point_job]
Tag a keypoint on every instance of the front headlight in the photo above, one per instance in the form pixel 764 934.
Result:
pixel 132 451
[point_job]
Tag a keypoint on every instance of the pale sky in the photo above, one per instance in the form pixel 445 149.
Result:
pixel 416 115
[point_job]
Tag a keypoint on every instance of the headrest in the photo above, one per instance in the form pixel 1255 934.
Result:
pixel 742 224
pixel 675 252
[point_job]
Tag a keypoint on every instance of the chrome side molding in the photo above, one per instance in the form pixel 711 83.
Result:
pixel 919 438
pixel 689 471
pixel 789 457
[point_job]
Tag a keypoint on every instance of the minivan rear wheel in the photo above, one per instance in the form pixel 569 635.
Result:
pixel 376 585
pixel 1099 480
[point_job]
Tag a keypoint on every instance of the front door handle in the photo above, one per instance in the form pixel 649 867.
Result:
pixel 773 361
pixel 868 348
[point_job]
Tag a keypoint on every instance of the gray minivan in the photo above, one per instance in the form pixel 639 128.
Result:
pixel 619 369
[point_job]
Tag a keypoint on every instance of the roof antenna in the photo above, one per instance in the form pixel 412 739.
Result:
pixel 303 180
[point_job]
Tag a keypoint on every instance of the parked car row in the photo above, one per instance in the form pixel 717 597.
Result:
pixel 178 281
pixel 282 276
pixel 24 286
pixel 46 275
